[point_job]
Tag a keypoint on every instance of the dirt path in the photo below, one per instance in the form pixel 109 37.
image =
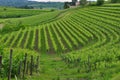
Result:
pixel 1 26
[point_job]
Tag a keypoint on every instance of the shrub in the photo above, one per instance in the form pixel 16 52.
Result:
pixel 11 26
pixel 100 2
pixel 83 2
pixel 66 5
pixel 115 1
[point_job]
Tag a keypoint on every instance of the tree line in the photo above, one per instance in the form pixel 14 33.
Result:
pixel 98 3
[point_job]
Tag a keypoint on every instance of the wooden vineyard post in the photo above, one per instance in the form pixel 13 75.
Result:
pixel 37 64
pixel 10 65
pixel 27 69
pixel 89 65
pixel 0 63
pixel 31 65
pixel 25 61
pixel 19 70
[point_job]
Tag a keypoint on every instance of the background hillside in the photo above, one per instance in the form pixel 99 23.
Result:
pixel 16 3
pixel 33 4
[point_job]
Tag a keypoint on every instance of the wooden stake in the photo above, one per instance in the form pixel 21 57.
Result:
pixel 25 61
pixel 37 64
pixel 10 65
pixel 27 69
pixel 31 65
pixel 19 70
pixel 0 63
pixel 89 65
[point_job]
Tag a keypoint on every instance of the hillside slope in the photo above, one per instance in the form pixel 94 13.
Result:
pixel 83 43
pixel 77 29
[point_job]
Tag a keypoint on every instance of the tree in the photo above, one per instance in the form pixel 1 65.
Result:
pixel 66 5
pixel 83 2
pixel 118 1
pixel 115 1
pixel 4 9
pixel 100 2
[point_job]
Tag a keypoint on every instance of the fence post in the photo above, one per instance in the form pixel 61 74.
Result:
pixel 31 65
pixel 19 70
pixel 37 64
pixel 27 69
pixel 0 63
pixel 10 65
pixel 89 65
pixel 25 61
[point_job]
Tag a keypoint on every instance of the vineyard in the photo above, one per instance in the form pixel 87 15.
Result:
pixel 87 40
pixel 91 27
pixel 6 12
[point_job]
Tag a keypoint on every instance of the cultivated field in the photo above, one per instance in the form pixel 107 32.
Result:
pixel 74 44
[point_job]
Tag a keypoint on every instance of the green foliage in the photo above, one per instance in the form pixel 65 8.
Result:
pixel 31 4
pixel 83 2
pixel 15 24
pixel 18 55
pixel 6 12
pixel 1 48
pixel 27 7
pixel 10 26
pixel 46 38
pixel 4 9
pixel 112 5
pixel 115 1
pixel 100 2
pixel 100 58
pixel 66 5
pixel 47 5
pixel 118 1
pixel 89 35
pixel 52 10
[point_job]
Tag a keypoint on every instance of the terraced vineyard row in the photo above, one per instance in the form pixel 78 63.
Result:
pixel 84 28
